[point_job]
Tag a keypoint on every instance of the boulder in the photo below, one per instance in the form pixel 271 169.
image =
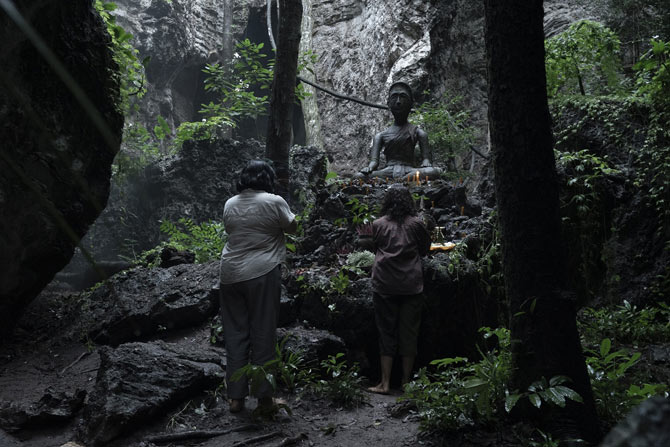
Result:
pixel 648 425
pixel 55 159
pixel 55 407
pixel 141 302
pixel 139 381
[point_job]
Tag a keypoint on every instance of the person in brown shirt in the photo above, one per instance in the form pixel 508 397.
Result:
pixel 400 240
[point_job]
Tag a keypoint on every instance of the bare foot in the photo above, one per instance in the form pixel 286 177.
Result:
pixel 379 389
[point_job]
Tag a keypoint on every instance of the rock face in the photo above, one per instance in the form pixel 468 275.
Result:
pixel 179 37
pixel 363 47
pixel 55 163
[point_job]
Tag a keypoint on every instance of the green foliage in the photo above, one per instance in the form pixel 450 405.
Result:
pixel 633 124
pixel 339 283
pixel 139 150
pixel 625 323
pixel 460 393
pixel 360 212
pixel 553 392
pixel 653 73
pixel 131 69
pixel 457 258
pixel 235 90
pixel 585 169
pixel 301 218
pixel 441 404
pixel 331 178
pixel 583 214
pixel 653 163
pixel 489 260
pixel 610 377
pixel 341 383
pixel 206 239
pixel 289 370
pixel 449 133
pixel 583 59
pixel 360 259
pixel 239 88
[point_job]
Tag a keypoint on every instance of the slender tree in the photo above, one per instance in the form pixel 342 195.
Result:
pixel 283 91
pixel 227 46
pixel 543 321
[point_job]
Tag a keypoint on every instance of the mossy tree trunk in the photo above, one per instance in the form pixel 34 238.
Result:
pixel 542 312
pixel 280 124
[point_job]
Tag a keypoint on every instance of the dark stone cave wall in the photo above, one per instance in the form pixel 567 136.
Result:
pixel 54 163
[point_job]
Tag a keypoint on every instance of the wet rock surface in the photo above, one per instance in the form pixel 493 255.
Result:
pixel 141 302
pixel 139 381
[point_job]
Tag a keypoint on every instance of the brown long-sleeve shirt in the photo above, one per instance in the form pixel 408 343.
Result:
pixel 399 247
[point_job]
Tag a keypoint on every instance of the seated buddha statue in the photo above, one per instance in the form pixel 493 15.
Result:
pixel 399 141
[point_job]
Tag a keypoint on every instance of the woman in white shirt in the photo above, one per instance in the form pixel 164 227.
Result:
pixel 255 220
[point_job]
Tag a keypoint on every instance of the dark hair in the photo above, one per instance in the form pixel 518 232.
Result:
pixel 398 203
pixel 257 174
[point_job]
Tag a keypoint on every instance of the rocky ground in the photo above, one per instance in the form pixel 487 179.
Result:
pixel 58 387
pixel 50 385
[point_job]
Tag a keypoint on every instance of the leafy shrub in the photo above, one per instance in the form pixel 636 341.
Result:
pixel 583 215
pixel 238 88
pixel 552 391
pixel 449 134
pixel 653 74
pixel 360 259
pixel 139 150
pixel 289 370
pixel 584 58
pixel 459 393
pixel 206 239
pixel 341 383
pixel 625 323
pixel 610 373
pixel 340 282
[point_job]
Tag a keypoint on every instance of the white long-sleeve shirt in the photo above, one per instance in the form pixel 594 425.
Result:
pixel 255 222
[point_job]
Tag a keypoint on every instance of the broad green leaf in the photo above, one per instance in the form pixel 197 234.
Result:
pixel 510 401
pixel 558 380
pixel 567 393
pixel 605 347
pixel 475 384
pixel 535 400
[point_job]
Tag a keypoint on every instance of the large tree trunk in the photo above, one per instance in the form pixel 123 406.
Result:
pixel 543 324
pixel 283 91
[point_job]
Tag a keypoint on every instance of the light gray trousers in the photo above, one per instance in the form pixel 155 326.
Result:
pixel 249 311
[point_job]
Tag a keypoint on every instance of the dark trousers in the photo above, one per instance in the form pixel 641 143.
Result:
pixel 249 311
pixel 398 319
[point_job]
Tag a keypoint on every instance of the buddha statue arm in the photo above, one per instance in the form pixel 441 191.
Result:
pixel 427 159
pixel 374 155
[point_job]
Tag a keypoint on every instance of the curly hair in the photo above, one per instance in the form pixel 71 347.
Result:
pixel 257 174
pixel 398 203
